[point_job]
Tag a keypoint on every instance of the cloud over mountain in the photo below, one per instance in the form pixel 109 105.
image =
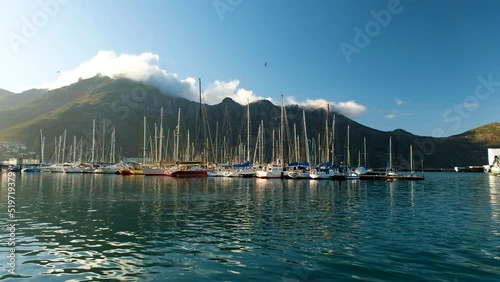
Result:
pixel 143 68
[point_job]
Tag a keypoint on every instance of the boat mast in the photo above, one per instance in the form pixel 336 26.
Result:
pixel 93 142
pixel 348 161
pixel 59 159
pixel 411 160
pixel 248 130
pixel 187 149
pixel 161 135
pixel 80 153
pixel 306 142
pixel 262 142
pixel 64 146
pixel 103 157
pixel 74 148
pixel 156 144
pixel 390 153
pixel 296 143
pixel 42 146
pixel 333 140
pixel 216 142
pixel 364 150
pixel 327 143
pixel 144 142
pixel 282 130
pixel 177 135
pixel 113 146
pixel 273 146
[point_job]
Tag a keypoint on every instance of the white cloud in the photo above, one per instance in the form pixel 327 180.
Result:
pixel 219 90
pixel 390 116
pixel 143 68
pixel 350 109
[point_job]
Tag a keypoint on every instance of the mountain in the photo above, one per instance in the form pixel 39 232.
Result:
pixel 9 100
pixel 122 104
pixel 487 134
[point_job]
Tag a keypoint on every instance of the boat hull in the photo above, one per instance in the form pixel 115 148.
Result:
pixel 188 173
pixel 154 171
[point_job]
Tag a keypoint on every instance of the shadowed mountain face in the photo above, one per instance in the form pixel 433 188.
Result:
pixel 122 104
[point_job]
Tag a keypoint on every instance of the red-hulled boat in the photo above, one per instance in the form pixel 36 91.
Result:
pixel 187 169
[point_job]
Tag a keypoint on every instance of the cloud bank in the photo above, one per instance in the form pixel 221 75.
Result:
pixel 143 68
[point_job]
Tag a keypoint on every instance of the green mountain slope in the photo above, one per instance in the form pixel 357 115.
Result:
pixel 122 104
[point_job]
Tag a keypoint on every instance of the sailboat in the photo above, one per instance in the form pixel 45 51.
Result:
pixel 275 170
pixel 242 169
pixel 37 168
pixel 158 168
pixel 361 170
pixel 349 172
pixel 326 170
pixel 390 172
pixel 303 169
pixel 186 168
pixel 412 175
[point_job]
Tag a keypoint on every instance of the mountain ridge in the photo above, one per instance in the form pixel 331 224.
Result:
pixel 123 103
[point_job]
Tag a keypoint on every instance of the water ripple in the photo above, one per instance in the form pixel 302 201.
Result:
pixel 86 227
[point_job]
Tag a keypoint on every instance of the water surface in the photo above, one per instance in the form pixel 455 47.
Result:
pixel 98 227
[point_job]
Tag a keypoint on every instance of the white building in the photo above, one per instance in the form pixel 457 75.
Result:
pixel 492 153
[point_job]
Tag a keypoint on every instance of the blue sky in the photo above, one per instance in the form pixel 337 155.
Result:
pixel 432 69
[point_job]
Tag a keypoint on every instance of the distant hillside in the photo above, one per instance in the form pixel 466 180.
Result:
pixel 488 134
pixel 9 100
pixel 4 92
pixel 122 104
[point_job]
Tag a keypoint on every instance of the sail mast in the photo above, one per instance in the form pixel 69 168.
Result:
pixel 144 141
pixel 282 129
pixel 306 142
pixel 178 133
pixel 364 150
pixel 64 146
pixel 327 143
pixel 390 153
pixel 93 142
pixel 248 130
pixel 348 161
pixel 411 160
pixel 161 135
pixel 42 146
pixel 333 140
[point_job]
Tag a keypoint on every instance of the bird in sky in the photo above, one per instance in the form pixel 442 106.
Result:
pixel 58 72
pixel 265 64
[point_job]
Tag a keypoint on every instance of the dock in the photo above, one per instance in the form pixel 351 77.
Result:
pixel 388 178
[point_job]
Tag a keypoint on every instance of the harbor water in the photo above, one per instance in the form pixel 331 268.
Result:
pixel 83 227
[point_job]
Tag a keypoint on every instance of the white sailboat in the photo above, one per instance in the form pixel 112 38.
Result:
pixel 303 169
pixel 349 173
pixel 390 172
pixel 275 170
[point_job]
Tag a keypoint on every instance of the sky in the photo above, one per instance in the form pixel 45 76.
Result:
pixel 429 67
